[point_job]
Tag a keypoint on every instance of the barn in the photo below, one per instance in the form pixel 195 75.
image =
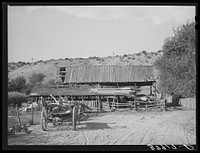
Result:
pixel 100 86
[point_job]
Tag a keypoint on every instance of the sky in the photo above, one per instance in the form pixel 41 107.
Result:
pixel 53 32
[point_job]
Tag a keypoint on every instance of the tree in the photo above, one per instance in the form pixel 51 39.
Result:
pixel 177 66
pixel 17 84
pixel 16 98
pixel 36 79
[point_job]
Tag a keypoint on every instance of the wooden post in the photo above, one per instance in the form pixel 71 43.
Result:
pixel 155 89
pixel 135 105
pixel 99 103
pixel 164 105
pixel 32 113
pixel 19 121
pixel 150 89
pixel 117 101
pixel 114 103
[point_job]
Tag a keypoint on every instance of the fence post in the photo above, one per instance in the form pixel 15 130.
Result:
pixel 135 105
pixel 19 121
pixel 164 105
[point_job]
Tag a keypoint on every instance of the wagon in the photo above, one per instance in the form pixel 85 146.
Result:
pixel 57 113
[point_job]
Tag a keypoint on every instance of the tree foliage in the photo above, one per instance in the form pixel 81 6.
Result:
pixel 36 78
pixel 16 98
pixel 17 84
pixel 177 66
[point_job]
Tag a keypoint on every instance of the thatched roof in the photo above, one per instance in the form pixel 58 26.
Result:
pixel 108 73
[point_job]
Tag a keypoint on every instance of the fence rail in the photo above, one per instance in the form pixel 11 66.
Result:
pixel 93 104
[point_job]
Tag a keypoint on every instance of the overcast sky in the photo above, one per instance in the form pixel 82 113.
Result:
pixel 52 32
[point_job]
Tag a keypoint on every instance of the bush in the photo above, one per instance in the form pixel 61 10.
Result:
pixel 16 98
pixel 36 78
pixel 139 54
pixel 149 57
pixel 17 84
pixel 144 52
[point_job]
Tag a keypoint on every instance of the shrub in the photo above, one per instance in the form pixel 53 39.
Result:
pixel 139 54
pixel 149 57
pixel 144 52
pixel 17 84
pixel 16 98
pixel 36 78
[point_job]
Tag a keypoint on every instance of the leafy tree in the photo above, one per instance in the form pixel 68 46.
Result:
pixel 36 79
pixel 16 98
pixel 17 84
pixel 177 66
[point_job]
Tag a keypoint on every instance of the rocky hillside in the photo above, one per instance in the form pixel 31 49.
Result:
pixel 48 67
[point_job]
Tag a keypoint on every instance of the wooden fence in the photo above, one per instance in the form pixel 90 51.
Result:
pixel 93 104
pixel 188 102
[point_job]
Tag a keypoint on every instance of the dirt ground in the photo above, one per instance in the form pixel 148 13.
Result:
pixel 127 127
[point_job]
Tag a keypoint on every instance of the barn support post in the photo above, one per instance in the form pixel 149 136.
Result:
pixel 150 89
pixel 66 99
pixel 99 103
pixel 135 105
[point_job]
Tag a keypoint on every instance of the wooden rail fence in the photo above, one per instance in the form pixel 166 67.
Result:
pixel 93 104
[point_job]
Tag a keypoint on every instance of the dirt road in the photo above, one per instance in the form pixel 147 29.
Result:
pixel 118 128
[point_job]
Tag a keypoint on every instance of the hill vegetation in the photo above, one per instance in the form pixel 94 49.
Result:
pixel 48 67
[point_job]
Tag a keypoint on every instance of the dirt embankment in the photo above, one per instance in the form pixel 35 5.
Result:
pixel 118 128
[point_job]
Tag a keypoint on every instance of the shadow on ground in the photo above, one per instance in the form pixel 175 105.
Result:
pixel 95 126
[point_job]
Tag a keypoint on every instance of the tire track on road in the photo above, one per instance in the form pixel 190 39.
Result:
pixel 122 136
pixel 86 139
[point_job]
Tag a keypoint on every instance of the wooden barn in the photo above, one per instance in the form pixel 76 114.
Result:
pixel 108 75
pixel 101 87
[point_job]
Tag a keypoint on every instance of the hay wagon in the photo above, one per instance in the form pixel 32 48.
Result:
pixel 57 113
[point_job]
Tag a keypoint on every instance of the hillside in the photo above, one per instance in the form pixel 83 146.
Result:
pixel 48 67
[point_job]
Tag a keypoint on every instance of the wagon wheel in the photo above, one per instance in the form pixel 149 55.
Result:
pixel 44 119
pixel 74 117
